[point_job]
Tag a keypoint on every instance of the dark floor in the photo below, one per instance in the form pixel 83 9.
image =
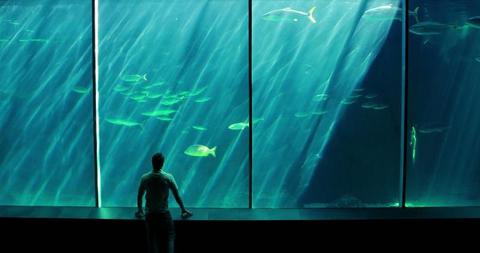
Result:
pixel 215 231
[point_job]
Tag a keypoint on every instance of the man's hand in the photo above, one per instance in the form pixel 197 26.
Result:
pixel 186 214
pixel 139 214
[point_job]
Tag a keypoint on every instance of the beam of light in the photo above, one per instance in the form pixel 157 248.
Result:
pixel 341 48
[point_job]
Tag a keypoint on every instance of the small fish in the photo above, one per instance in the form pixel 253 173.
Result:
pixel 172 101
pixel 199 128
pixel 413 142
pixel 81 89
pixel 203 100
pixel 320 97
pixel 134 78
pixel 368 105
pixel 354 96
pixel 154 85
pixel 128 93
pixel 239 126
pixel 380 107
pixel 138 97
pixel 121 88
pixel 347 101
pixel 124 122
pixel 164 118
pixel 154 95
pixel 289 14
pixel 34 40
pixel 370 96
pixel 302 114
pixel 200 151
pixel 197 91
pixel 433 130
pixel 161 112
pixel 320 113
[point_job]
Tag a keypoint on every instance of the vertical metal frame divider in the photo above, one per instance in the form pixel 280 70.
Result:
pixel 250 109
pixel 404 119
pixel 98 197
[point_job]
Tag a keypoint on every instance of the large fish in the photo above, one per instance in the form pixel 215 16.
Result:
pixel 200 151
pixel 388 12
pixel 289 14
pixel 430 28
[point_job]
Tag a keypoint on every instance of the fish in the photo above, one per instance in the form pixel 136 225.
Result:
pixel 380 107
pixel 384 12
pixel 256 120
pixel 34 40
pixel 474 22
pixel 200 151
pixel 289 14
pixel 347 101
pixel 128 93
pixel 320 113
pixel 433 130
pixel 302 114
pixel 121 88
pixel 81 90
pixel 134 78
pixel 239 126
pixel 320 97
pixel 389 12
pixel 154 85
pixel 197 92
pixel 124 122
pixel 138 97
pixel 203 100
pixel 154 95
pixel 164 118
pixel 161 112
pixel 430 28
pixel 170 101
pixel 370 96
pixel 354 96
pixel 413 142
pixel 199 128
pixel 368 105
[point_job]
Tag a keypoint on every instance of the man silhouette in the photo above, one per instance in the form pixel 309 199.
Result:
pixel 157 184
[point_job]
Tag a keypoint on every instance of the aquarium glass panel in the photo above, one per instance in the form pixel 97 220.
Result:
pixel 327 85
pixel 46 119
pixel 443 88
pixel 174 79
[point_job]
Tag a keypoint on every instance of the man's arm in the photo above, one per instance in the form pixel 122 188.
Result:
pixel 174 188
pixel 141 192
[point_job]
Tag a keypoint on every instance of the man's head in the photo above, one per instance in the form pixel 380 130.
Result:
pixel 157 161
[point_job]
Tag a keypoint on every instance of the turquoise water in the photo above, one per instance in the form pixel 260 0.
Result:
pixel 46 141
pixel 443 100
pixel 327 103
pixel 195 57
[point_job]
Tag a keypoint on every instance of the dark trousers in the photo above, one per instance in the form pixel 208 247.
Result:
pixel 160 232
